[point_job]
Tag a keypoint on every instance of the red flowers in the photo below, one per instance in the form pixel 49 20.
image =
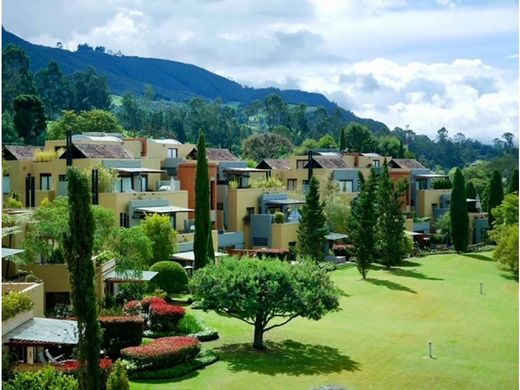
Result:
pixel 132 308
pixel 146 302
pixel 164 352
pixel 72 366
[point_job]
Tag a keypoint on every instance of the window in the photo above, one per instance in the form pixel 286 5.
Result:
pixel 62 178
pixel 124 220
pixel 376 163
pixel 300 164
pixel 346 185
pixel 291 184
pixel 144 183
pixel 45 182
pixel 171 153
pixel 305 183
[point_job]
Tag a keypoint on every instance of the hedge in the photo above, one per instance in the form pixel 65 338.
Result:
pixel 121 332
pixel 146 302
pixel 162 353
pixel 164 317
pixel 14 303
pixel 72 366
pixel 47 378
pixel 132 308
pixel 171 277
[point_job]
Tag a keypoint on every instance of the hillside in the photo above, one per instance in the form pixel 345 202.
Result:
pixel 171 80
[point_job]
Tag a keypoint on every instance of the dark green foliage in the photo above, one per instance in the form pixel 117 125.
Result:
pixel 392 242
pixel 202 221
pixel 441 184
pixel 312 227
pixel 343 139
pixel 459 213
pixel 16 76
pixel 495 195
pixel 46 379
pixel 258 292
pixel 400 153
pixel 266 145
pixel 359 139
pixel 90 91
pixel 172 278
pixel 79 243
pixel 54 89
pixel 118 380
pixel 158 229
pixel 471 193
pixel 362 222
pixel 513 182
pixel 29 119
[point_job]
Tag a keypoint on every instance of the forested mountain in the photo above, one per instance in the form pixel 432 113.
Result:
pixel 170 80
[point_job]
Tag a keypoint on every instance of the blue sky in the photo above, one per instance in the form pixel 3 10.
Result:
pixel 422 64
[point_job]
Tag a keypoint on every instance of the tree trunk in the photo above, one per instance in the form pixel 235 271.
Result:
pixel 259 334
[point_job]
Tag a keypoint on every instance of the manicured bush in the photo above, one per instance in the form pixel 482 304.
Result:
pixel 196 327
pixel 172 278
pixel 48 378
pixel 14 303
pixel 146 302
pixel 164 317
pixel 121 332
pixel 132 308
pixel 118 380
pixel 162 353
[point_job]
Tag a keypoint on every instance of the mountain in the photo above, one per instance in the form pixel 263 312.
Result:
pixel 171 80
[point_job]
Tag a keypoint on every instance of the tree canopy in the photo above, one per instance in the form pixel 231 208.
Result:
pixel 459 213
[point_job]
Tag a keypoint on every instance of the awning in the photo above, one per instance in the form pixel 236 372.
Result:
pixel 43 331
pixel 129 276
pixel 190 256
pixel 284 202
pixel 430 176
pixel 163 209
pixel 244 170
pixel 335 236
pixel 6 252
pixel 138 170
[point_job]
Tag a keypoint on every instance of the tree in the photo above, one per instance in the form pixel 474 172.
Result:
pixel 90 90
pixel 359 138
pixel 158 229
pixel 132 248
pixel 506 213
pixel 443 225
pixel 29 119
pixel 16 76
pixel 362 223
pixel 259 292
pixel 201 244
pixel 54 89
pixel 513 182
pixel 343 139
pixel 86 121
pixel 335 206
pixel 118 380
pixel 505 233
pixel 276 111
pixel 311 229
pixel 471 193
pixel 327 142
pixel 392 242
pixel 266 145
pixel 459 213
pixel 400 152
pixel 305 146
pixel 79 243
pixel 495 195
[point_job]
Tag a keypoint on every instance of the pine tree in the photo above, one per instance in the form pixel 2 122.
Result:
pixel 495 195
pixel 78 248
pixel 202 220
pixel 362 223
pixel 343 139
pixel 513 182
pixel 312 230
pixel 471 193
pixel 459 213
pixel 391 242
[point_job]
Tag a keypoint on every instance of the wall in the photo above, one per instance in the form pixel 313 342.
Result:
pixel 55 277
pixel 186 174
pixel 283 234
pixel 35 292
pixel 425 199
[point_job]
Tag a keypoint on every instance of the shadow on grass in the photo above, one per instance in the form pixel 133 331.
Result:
pixel 192 374
pixel 409 263
pixel 390 285
pixel 412 274
pixel 478 257
pixel 287 357
pixel 510 277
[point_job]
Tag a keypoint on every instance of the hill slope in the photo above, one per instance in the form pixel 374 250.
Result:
pixel 171 80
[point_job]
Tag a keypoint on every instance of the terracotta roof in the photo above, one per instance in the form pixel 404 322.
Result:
pixel 328 162
pixel 274 164
pixel 406 163
pixel 18 152
pixel 99 151
pixel 214 154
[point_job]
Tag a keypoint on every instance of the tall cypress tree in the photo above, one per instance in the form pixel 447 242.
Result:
pixel 391 242
pixel 362 222
pixel 495 195
pixel 78 248
pixel 513 182
pixel 459 213
pixel 202 221
pixel 312 230
pixel 400 153
pixel 343 139
pixel 471 193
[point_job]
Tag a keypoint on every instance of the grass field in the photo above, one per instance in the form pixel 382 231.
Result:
pixel 379 339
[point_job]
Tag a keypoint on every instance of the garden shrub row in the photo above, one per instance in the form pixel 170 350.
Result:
pixel 121 332
pixel 14 303
pixel 164 317
pixel 162 353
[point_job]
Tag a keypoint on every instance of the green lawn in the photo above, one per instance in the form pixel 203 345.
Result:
pixel 379 339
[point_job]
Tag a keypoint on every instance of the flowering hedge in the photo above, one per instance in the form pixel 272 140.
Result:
pixel 132 308
pixel 164 317
pixel 72 366
pixel 146 302
pixel 163 353
pixel 121 332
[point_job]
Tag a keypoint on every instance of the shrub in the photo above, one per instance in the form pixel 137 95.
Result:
pixel 46 155
pixel 118 380
pixel 14 303
pixel 271 182
pixel 278 217
pixel 121 332
pixel 132 308
pixel 196 327
pixel 71 366
pixel 171 277
pixel 12 203
pixel 162 353
pixel 146 302
pixel 441 184
pixel 164 317
pixel 47 378
pixel 61 310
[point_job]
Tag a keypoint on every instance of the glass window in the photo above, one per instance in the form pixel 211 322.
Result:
pixel 346 185
pixel 376 163
pixel 172 153
pixel 300 164
pixel 45 182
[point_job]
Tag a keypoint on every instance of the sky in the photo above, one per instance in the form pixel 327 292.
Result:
pixel 418 64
